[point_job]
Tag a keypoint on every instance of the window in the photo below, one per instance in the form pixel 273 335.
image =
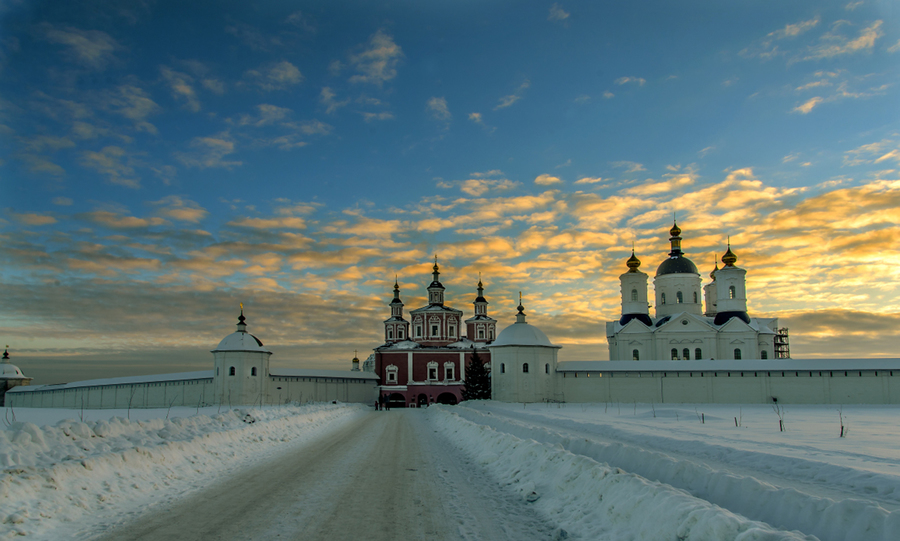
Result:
pixel 674 354
pixel 481 334
pixel 663 298
pixel 231 371
pixel 731 292
pixel 634 295
pixel 695 297
pixel 451 331
pixel 432 373
pixel 698 354
pixel 390 334
pixel 448 371
pixel 686 354
pixel 491 334
pixel 253 371
pixel 763 354
pixel 635 355
pixel 400 333
pixel 502 368
pixel 434 330
pixel 217 370
pixel 525 368
pixel 679 298
pixel 418 331
pixel 737 353
pixel 547 368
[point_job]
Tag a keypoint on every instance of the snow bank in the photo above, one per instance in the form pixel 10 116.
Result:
pixel 593 500
pixel 53 475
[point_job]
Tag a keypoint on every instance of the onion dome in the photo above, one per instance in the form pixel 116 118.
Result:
pixel 712 273
pixel 396 299
pixel 729 258
pixel 676 263
pixel 633 263
pixel 241 340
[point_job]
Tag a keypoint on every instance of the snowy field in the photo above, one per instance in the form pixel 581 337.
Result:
pixel 641 471
pixel 601 471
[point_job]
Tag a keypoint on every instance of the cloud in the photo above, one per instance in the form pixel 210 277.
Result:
pixel 326 98
pixel 894 48
pixel 834 44
pixel 42 165
pixel 506 101
pixel 181 85
pixel 767 48
pixel 476 118
pixel 630 167
pixel 285 222
pixel 874 153
pixel 377 64
pixel 557 13
pixel 31 218
pixel 808 105
pixel 266 115
pixel 62 201
pixel 109 161
pixel 476 187
pixel 608 95
pixel 369 117
pixel 277 76
pixel 634 80
pixel 582 99
pixel 547 180
pixel 209 152
pixel 90 48
pixel 182 210
pixel 114 220
pixel 437 107
pixel 589 180
pixel 134 104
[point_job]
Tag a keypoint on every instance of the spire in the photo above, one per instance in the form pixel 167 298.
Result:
pixel 675 239
pixel 729 258
pixel 436 289
pixel 436 274
pixel 712 273
pixel 396 290
pixel 520 317
pixel 241 326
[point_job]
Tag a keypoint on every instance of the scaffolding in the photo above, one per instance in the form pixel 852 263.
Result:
pixel 782 346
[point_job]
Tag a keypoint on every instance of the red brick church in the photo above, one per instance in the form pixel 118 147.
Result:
pixel 423 361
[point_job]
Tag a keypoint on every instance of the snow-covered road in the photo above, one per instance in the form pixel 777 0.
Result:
pixel 382 476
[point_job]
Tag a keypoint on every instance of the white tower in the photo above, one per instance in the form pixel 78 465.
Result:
pixel 731 290
pixel 677 282
pixel 241 367
pixel 634 293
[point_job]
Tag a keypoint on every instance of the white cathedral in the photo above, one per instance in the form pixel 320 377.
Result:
pixel 681 329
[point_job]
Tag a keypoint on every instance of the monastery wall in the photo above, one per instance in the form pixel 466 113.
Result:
pixel 150 394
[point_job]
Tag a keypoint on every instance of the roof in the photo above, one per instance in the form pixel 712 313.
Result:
pixel 677 264
pixel 312 373
pixel 436 308
pixel 745 365
pixel 11 371
pixel 522 334
pixel 155 378
pixel 241 341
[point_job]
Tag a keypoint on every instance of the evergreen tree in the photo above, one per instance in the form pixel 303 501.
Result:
pixel 478 380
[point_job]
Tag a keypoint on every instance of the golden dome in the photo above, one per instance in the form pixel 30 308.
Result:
pixel 729 258
pixel 633 263
pixel 675 231
pixel 712 273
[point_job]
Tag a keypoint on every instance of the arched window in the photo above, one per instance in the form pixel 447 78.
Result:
pixel 400 333
pixel 491 334
pixel 231 371
pixel 481 334
pixel 253 371
pixel 698 354
pixel 525 368
pixel 662 298
pixel 547 368
pixel 686 354
pixel 731 292
pixel 390 334
pixel 674 354
pixel 679 298
pixel 635 355
pixel 737 353
pixel 634 296
pixel 502 368
pixel 695 297
pixel 763 354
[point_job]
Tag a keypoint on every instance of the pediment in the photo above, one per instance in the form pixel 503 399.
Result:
pixel 735 325
pixel 634 326
pixel 685 323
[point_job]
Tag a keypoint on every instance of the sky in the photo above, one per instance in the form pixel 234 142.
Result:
pixel 163 162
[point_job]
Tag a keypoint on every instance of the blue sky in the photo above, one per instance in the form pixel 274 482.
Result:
pixel 161 162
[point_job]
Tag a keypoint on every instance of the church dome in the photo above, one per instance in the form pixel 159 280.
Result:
pixel 521 333
pixel 10 371
pixel 241 340
pixel 677 264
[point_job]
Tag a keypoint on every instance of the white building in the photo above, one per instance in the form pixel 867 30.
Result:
pixel 680 329
pixel 241 375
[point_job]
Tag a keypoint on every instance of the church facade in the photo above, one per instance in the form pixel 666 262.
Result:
pixel 423 361
pixel 681 330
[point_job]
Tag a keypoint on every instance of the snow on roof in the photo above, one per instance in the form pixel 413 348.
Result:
pixel 522 334
pixel 241 341
pixel 10 371
pixel 155 378
pixel 405 344
pixel 311 373
pixel 745 365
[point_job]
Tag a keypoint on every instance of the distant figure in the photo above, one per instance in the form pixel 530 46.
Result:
pixel 376 405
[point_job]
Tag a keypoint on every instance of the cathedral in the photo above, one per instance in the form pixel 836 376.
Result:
pixel 681 330
pixel 424 361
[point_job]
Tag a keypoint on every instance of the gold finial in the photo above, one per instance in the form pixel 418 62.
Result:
pixel 242 307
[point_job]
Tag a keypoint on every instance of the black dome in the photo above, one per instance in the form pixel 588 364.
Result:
pixel 677 264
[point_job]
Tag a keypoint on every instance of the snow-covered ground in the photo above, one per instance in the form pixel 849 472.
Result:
pixel 644 471
pixel 63 467
pixel 602 471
